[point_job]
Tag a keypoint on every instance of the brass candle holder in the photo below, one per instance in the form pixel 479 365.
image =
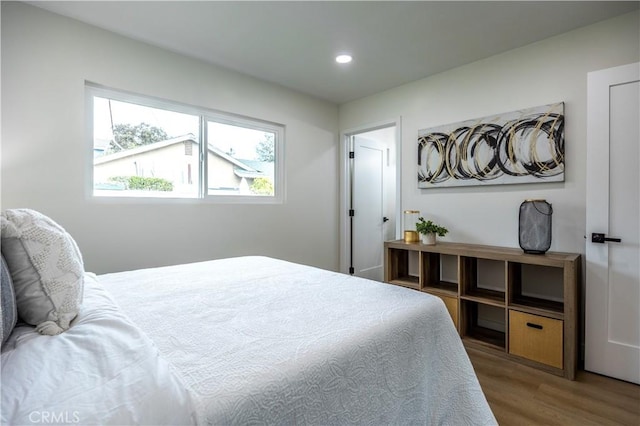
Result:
pixel 410 220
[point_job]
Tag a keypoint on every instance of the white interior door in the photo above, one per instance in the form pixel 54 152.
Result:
pixel 612 299
pixel 368 222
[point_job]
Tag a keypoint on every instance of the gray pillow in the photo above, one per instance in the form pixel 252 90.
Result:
pixel 46 267
pixel 8 311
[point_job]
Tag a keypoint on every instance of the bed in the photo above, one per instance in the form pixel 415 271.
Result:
pixel 246 340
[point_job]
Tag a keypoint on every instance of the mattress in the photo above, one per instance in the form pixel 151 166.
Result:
pixel 255 340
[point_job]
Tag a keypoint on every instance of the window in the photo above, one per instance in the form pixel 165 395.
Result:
pixel 145 147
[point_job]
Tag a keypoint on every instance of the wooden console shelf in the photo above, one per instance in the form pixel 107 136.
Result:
pixel 500 299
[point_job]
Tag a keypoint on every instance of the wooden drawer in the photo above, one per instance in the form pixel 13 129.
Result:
pixel 536 338
pixel 452 306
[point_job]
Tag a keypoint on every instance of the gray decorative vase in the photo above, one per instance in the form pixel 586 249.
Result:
pixel 534 226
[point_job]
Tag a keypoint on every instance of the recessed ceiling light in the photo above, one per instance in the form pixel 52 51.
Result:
pixel 343 59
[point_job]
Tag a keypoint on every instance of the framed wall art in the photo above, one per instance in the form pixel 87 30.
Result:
pixel 525 146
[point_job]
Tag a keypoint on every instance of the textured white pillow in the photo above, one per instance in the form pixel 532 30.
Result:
pixel 46 267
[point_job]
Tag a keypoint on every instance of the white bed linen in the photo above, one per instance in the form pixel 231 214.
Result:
pixel 103 370
pixel 263 341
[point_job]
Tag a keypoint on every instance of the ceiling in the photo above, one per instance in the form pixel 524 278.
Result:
pixel 294 43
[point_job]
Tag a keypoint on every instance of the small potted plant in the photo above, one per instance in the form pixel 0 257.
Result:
pixel 428 230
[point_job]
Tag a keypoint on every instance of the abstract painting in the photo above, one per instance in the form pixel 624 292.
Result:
pixel 525 146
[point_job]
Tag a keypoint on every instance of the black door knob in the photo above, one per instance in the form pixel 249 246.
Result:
pixel 601 238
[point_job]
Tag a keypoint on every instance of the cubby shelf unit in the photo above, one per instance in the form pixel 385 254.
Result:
pixel 493 298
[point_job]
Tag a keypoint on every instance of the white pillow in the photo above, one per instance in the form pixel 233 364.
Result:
pixel 46 267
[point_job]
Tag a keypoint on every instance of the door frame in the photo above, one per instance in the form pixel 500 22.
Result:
pixel 345 183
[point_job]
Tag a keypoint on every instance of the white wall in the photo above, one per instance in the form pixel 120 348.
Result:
pixel 46 59
pixel 549 71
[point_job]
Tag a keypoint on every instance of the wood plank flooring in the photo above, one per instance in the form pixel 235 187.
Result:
pixel 521 395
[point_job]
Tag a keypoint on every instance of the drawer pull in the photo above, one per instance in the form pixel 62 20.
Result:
pixel 532 325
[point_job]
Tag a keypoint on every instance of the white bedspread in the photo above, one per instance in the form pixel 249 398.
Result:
pixel 103 370
pixel 263 341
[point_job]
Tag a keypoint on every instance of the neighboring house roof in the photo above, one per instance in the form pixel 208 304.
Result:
pixel 247 174
pixel 243 168
pixel 142 149
pixel 263 168
pixel 235 161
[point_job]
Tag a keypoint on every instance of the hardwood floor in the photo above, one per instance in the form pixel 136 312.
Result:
pixel 521 395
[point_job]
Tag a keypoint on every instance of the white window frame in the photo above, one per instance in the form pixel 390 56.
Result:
pixel 205 114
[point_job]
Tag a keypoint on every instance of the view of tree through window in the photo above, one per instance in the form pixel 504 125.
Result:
pixel 128 136
pixel 148 151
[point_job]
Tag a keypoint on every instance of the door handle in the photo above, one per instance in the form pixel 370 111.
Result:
pixel 385 219
pixel 601 238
